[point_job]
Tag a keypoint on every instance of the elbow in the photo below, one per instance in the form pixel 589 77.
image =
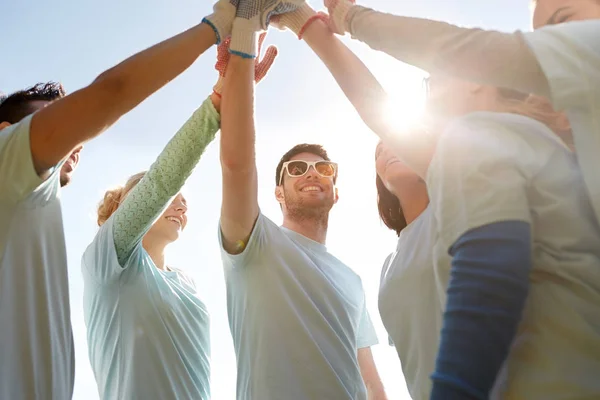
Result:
pixel 238 167
pixel 108 86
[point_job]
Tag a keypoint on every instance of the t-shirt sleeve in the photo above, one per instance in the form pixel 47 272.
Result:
pixel 479 175
pixel 17 174
pixel 100 261
pixel 367 336
pixel 255 244
pixel 569 55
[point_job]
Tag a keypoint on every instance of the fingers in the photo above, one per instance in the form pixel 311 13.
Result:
pixel 263 66
pixel 261 39
pixel 223 56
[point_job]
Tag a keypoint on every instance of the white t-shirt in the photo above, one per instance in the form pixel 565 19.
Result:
pixel 410 306
pixel 492 167
pixel 36 341
pixel 569 55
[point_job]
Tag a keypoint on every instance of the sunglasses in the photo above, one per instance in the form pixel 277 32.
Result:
pixel 298 168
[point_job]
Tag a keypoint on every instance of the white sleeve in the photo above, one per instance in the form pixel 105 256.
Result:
pixel 569 55
pixel 476 178
pixel 17 174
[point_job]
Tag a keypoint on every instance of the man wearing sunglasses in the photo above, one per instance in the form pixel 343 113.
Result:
pixel 297 314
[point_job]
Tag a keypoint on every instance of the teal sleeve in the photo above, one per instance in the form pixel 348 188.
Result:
pixel 164 179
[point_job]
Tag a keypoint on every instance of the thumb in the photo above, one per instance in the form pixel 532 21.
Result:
pixel 263 67
pixel 276 22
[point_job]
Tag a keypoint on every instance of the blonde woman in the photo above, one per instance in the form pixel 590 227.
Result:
pixel 515 243
pixel 148 331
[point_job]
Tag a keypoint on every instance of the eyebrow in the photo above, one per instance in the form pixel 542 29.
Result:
pixel 552 19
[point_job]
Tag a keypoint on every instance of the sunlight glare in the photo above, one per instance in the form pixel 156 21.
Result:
pixel 404 111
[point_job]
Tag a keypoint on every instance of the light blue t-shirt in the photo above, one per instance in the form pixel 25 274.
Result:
pixel 298 317
pixel 36 342
pixel 409 304
pixel 148 332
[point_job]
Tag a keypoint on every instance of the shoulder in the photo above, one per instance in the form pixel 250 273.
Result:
pixel 483 137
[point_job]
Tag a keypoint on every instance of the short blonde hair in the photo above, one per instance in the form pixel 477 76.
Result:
pixel 114 197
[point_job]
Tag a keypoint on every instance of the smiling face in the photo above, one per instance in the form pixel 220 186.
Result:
pixel 308 196
pixel 393 173
pixel 171 223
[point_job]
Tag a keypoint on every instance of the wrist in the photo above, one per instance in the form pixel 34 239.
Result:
pixel 216 101
pixel 221 20
pixel 341 14
pixel 297 20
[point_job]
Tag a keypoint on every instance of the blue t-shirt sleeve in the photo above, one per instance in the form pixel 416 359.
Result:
pixel 488 286
pixel 255 244
pixel 367 336
pixel 100 261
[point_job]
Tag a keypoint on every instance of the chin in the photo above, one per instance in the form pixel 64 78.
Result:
pixel 172 236
pixel 65 179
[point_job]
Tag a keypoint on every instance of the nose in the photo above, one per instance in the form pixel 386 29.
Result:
pixel 180 207
pixel 312 173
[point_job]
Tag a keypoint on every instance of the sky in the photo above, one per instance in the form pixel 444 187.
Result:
pixel 73 41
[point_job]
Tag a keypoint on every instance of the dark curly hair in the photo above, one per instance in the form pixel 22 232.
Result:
pixel 17 105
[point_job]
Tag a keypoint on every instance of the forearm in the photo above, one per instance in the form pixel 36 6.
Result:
pixel 375 391
pixel 488 57
pixel 367 96
pixel 488 287
pixel 164 179
pixel 354 78
pixel 84 114
pixel 371 378
pixel 239 208
pixel 237 105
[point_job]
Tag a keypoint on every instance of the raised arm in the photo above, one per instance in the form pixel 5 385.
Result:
pixel 164 179
pixel 490 57
pixel 358 84
pixel 65 124
pixel 239 209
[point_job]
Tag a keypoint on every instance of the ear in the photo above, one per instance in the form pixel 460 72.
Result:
pixel 336 195
pixel 279 196
pixel 4 124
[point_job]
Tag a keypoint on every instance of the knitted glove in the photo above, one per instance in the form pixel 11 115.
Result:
pixel 260 67
pixel 338 14
pixel 221 20
pixel 253 16
pixel 297 21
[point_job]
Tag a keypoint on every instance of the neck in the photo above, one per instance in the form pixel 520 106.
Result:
pixel 156 251
pixel 413 199
pixel 313 228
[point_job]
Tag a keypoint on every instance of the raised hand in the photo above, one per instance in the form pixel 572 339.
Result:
pixel 338 14
pixel 260 67
pixel 253 16
pixel 221 20
pixel 297 21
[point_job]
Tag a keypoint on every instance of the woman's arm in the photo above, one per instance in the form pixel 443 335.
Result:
pixel 489 57
pixel 164 179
